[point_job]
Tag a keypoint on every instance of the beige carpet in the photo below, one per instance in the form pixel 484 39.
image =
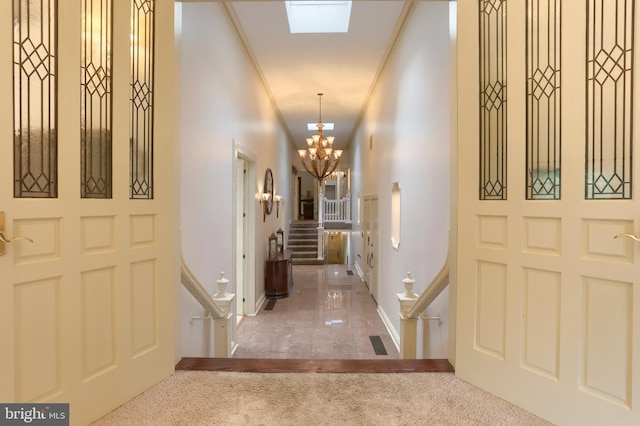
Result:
pixel 221 398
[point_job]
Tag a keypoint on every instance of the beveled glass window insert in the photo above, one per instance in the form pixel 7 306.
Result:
pixel 493 99
pixel 96 107
pixel 543 99
pixel 609 109
pixel 141 118
pixel 35 154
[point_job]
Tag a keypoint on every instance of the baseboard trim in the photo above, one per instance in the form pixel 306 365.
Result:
pixel 260 304
pixel 360 273
pixel 395 337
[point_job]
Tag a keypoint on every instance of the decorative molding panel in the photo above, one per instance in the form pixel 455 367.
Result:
pixel 543 235
pixel 541 325
pixel 144 315
pixel 97 234
pixel 599 244
pixel 98 321
pixel 46 236
pixel 37 341
pixel 491 308
pixel 492 231
pixel 143 230
pixel 606 340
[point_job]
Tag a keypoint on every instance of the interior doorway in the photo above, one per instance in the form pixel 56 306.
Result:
pixel 244 232
pixel 335 251
pixel 241 232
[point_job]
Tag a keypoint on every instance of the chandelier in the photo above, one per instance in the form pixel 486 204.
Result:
pixel 320 159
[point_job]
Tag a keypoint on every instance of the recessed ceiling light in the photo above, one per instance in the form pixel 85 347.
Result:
pixel 318 16
pixel 314 126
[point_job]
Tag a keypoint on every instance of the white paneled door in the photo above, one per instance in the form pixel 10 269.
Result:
pixel 86 309
pixel 370 228
pixel 548 300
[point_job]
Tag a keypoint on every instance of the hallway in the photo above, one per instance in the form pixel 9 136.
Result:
pixel 328 315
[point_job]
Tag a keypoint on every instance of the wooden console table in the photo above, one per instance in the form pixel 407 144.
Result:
pixel 278 278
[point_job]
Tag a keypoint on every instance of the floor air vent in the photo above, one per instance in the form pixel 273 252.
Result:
pixel 378 346
pixel 270 304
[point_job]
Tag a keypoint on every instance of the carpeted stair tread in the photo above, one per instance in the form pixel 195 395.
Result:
pixel 303 243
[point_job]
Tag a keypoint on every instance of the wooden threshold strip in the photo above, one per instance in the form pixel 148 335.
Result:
pixel 250 365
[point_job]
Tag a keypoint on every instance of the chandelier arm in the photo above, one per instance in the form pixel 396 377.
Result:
pixel 304 164
pixel 317 166
pixel 311 168
pixel 326 165
pixel 335 165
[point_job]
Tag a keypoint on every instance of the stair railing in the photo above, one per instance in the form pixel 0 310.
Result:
pixel 412 306
pixel 217 308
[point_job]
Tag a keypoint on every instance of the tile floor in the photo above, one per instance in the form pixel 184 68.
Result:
pixel 328 315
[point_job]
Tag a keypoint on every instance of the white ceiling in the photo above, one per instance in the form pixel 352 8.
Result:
pixel 295 67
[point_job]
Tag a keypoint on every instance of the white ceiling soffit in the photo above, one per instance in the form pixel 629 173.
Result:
pixel 296 67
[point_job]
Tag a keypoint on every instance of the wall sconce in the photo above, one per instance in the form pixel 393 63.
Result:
pixel 266 202
pixel 277 199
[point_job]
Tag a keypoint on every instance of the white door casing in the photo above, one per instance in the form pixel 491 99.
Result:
pixel 87 309
pixel 546 296
pixel 240 237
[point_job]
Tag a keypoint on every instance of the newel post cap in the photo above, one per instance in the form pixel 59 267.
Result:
pixel 222 284
pixel 408 285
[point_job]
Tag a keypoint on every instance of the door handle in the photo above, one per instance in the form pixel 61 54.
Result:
pixel 626 235
pixel 8 240
pixel 4 240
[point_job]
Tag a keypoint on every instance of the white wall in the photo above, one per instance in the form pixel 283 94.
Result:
pixel 223 100
pixel 408 117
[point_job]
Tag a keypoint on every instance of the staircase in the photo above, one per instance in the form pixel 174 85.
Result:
pixel 303 242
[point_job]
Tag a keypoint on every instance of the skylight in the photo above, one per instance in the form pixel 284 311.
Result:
pixel 318 16
pixel 314 126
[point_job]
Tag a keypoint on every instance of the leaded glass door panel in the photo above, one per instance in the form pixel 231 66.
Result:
pixel 548 299
pixel 86 308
